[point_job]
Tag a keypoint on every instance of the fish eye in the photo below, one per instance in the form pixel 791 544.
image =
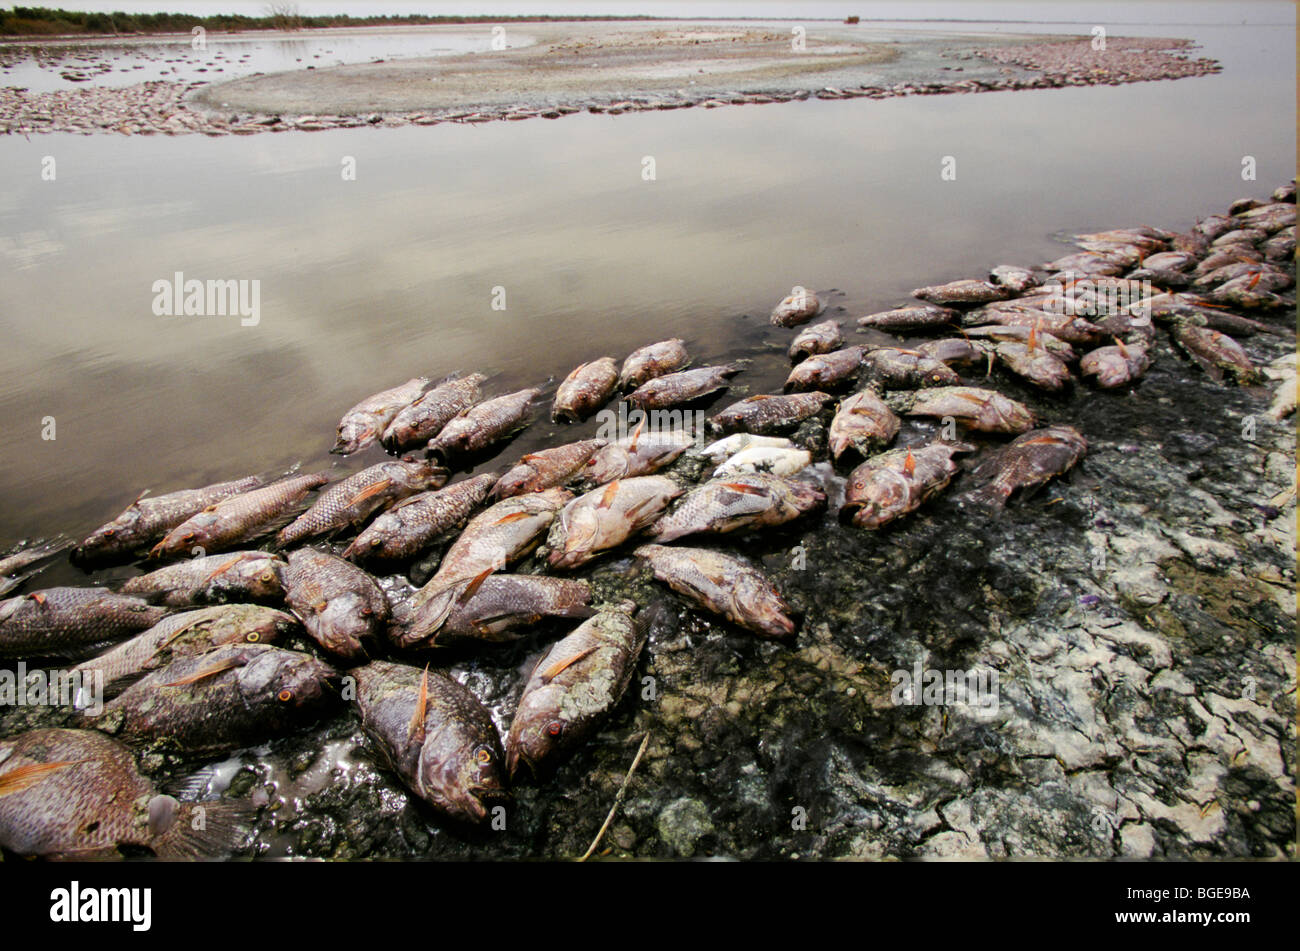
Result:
pixel 187 537
pixel 268 576
pixel 110 532
pixel 253 637
pixel 367 611
pixel 284 696
pixel 484 755
pixel 554 728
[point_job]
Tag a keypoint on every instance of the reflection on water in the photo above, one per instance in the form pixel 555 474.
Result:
pixel 366 283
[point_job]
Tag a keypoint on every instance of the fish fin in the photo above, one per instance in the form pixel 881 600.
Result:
pixel 636 436
pixel 175 634
pixel 475 583
pixel 512 517
pixel 607 497
pixel 909 464
pixel 212 671
pixel 370 491
pixel 202 829
pixel 744 488
pixel 415 730
pixel 25 777
pixel 225 567
pixel 38 597
pixel 557 668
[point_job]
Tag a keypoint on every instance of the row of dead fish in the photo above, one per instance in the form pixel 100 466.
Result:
pixel 191 652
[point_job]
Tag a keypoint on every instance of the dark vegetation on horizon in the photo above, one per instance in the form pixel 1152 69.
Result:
pixel 44 21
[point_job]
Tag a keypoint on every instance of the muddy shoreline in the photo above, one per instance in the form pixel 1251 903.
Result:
pixel 609 69
pixel 1140 615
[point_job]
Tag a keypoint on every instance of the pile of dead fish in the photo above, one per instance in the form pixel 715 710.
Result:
pixel 194 665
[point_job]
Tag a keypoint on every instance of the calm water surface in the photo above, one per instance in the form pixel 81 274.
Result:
pixel 366 283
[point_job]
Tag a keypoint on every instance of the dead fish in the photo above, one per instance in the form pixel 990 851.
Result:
pixel 1165 278
pixel 1215 352
pixel 226 698
pixel 238 519
pixel 1214 225
pixel 764 414
pixel 979 409
pixel 863 422
pixel 640 454
pixel 78 794
pixel 148 519
pixel 1283 369
pixel 906 369
pixel 1116 366
pixel 819 338
pixel 1280 247
pixel 1224 257
pixel 825 371
pixel 496 537
pixel 547 468
pixel 213 579
pixel 782 462
pixel 186 634
pixel 494 608
pixel 585 390
pixel 656 359
pixel 1148 239
pixel 435 735
pixel 424 419
pixel 1247 236
pixel 1087 262
pixel 1285 193
pixel 728 446
pixel 953 350
pixel 1243 204
pixel 573 688
pixel 1191 242
pixel 1034 363
pixel 61 622
pixel 10 565
pixel 366 422
pixel 963 292
pixel 911 317
pixel 606 517
pixel 1253 291
pixel 1021 332
pixel 1272 217
pixel 485 423
pixel 1061 326
pixel 1170 261
pixel 1125 254
pixel 1272 278
pixel 409 526
pixel 341 606
pixel 1028 460
pixel 683 387
pixel 889 486
pixel 800 306
pixel 348 503
pixel 723 585
pixel 1016 279
pixel 746 501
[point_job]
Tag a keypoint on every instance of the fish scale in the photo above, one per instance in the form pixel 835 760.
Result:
pixel 78 794
pixel 424 419
pixel 146 519
pixel 405 529
pixel 435 734
pixel 181 635
pixel 58 621
pixel 340 605
pixel 351 501
pixel 240 518
pixel 223 699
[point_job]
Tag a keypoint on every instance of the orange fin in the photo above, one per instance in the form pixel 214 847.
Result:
pixel 744 487
pixel 636 435
pixel 225 567
pixel 512 517
pixel 25 777
pixel 205 673
pixel 557 668
pixel 421 708
pixel 909 464
pixel 370 491
pixel 607 497
pixel 476 582
pixel 38 597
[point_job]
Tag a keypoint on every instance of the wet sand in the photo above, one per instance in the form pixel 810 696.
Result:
pixel 608 67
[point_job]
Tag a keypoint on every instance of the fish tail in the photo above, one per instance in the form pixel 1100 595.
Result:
pixel 203 830
pixel 992 497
